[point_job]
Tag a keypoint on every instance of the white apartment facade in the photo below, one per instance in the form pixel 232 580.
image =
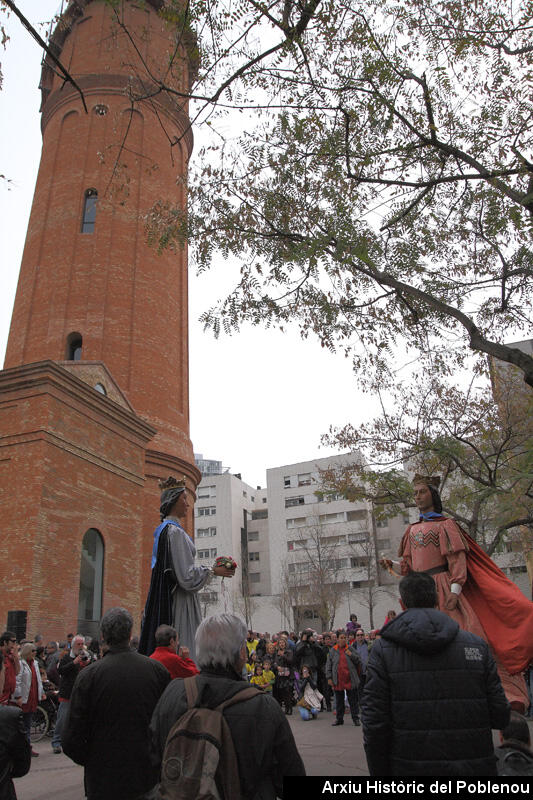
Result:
pixel 272 532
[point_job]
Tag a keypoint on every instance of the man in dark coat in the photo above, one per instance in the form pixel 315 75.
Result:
pixel 307 653
pixel 110 709
pixel 71 662
pixel 264 745
pixel 432 693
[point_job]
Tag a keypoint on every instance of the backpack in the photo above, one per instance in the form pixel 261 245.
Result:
pixel 199 761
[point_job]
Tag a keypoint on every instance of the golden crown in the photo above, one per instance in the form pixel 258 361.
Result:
pixel 171 483
pixel 429 480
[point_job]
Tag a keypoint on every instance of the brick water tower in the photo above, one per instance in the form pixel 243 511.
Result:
pixel 94 391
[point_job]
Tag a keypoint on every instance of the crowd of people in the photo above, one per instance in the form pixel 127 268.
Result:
pixel 311 672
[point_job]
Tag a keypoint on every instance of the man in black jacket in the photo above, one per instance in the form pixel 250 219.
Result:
pixel 70 662
pixel 110 709
pixel 308 653
pixel 432 693
pixel 264 745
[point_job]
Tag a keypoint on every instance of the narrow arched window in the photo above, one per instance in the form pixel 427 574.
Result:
pixel 91 583
pixel 74 347
pixel 89 211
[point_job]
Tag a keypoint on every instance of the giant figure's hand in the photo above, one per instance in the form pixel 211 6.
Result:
pixel 451 601
pixel 223 572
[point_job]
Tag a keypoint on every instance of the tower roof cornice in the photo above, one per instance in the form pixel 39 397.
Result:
pixel 75 11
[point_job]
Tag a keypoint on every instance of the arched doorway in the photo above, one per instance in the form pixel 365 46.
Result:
pixel 91 583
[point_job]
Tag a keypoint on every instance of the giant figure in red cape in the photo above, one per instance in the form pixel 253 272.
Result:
pixel 470 587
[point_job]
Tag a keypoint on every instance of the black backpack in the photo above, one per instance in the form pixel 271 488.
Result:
pixel 199 761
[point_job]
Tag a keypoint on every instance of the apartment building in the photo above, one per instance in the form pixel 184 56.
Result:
pixel 279 534
pixel 324 549
pixel 230 518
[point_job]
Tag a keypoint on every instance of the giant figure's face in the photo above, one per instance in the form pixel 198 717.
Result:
pixel 423 497
pixel 181 506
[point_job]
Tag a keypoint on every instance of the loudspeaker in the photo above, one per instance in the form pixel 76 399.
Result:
pixel 16 622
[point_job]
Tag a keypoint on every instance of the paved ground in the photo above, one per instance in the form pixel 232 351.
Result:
pixel 325 751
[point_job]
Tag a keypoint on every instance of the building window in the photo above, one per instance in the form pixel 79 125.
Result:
pixel 298 543
pixel 336 496
pixel 354 516
pixel 206 491
pixel 254 556
pixel 517 570
pixel 304 479
pixel 255 577
pixel 74 347
pixel 294 501
pixel 204 532
pixel 264 499
pixel 263 514
pixel 360 561
pixel 207 511
pixel 357 538
pixel 91 583
pixel 287 481
pixel 327 519
pixel 211 553
pixel 100 388
pixel 296 522
pixel 253 536
pixel 361 584
pixel 89 211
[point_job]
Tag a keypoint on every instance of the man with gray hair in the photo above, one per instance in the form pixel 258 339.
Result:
pixel 110 709
pixel 264 745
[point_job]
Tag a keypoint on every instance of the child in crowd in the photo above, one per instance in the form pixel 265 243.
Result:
pixel 259 679
pixel 268 673
pixel 250 664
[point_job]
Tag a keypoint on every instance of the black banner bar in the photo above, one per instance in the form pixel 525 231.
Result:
pixel 330 788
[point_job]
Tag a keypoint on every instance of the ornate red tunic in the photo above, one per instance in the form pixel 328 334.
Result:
pixel 490 605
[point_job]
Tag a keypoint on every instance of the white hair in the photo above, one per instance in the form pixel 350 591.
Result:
pixel 219 640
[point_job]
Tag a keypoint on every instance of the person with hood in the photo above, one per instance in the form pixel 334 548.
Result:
pixel 432 693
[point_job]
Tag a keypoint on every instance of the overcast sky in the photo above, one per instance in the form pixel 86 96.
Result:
pixel 258 399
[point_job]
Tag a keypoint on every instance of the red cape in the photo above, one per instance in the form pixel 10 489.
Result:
pixel 505 613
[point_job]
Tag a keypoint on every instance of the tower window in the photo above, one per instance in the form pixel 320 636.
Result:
pixel 89 211
pixel 100 388
pixel 74 347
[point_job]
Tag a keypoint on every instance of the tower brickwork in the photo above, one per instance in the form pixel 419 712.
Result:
pixel 94 393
